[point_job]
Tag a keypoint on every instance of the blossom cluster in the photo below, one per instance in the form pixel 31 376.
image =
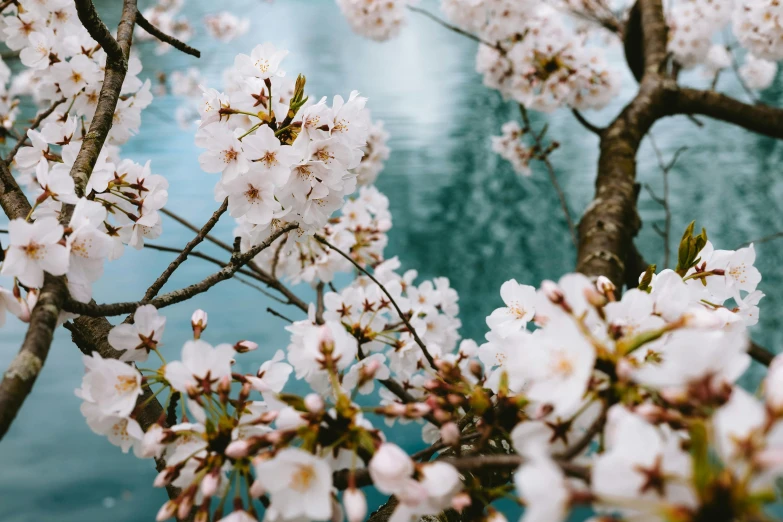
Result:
pixel 72 230
pixel 375 19
pixel 648 381
pixel 281 158
pixel 537 60
pixel 511 148
pixel 225 26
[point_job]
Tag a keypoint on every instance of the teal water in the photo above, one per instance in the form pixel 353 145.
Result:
pixel 459 211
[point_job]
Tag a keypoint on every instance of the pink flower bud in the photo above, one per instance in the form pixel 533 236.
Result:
pixel 245 346
pixel 355 505
pixel 183 510
pixel 210 483
pixel 314 403
pixel 166 511
pixel 650 412
pixel 199 322
pixel 164 478
pixel 238 449
pixel 442 415
pixel 449 434
pixel 257 489
pixel 460 502
pixel 371 367
pixel 604 285
pixel 624 369
pixel 771 458
pixel 495 516
pixel 552 291
pixel 594 297
pixel 273 437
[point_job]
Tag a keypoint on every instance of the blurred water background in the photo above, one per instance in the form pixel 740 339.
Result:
pixel 459 211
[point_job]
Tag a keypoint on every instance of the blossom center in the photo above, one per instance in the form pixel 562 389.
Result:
pixel 269 159
pixel 252 193
pixel 562 365
pixel 34 250
pixel 302 478
pixel 125 383
pixel 230 155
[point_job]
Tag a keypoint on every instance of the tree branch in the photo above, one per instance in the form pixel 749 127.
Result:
pixel 456 29
pixel 761 119
pixel 610 223
pixel 760 354
pixel 266 278
pixel 18 380
pixel 177 296
pixel 153 290
pixel 586 124
pixel 117 53
pixel 163 37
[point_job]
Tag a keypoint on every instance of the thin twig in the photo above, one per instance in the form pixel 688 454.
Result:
pixel 5 4
pixel 456 29
pixel 221 264
pixel 163 37
pixel 590 433
pixel 278 314
pixel 33 125
pixel 319 303
pixel 664 200
pixel 586 124
pixel 552 176
pixel 153 290
pixel 762 239
pixel 404 318
pixel 177 296
pixel 267 279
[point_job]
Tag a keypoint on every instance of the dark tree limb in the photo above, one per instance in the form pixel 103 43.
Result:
pixel 90 334
pixel 761 119
pixel 163 37
pixel 610 223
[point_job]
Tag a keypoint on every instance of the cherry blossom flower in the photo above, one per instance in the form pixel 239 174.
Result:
pixel 293 474
pixel 111 385
pixel 141 337
pixel 519 309
pixel 34 249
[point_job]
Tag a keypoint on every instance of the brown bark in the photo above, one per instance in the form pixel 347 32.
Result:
pixel 117 53
pixel 610 223
pixel 761 119
pixel 20 376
